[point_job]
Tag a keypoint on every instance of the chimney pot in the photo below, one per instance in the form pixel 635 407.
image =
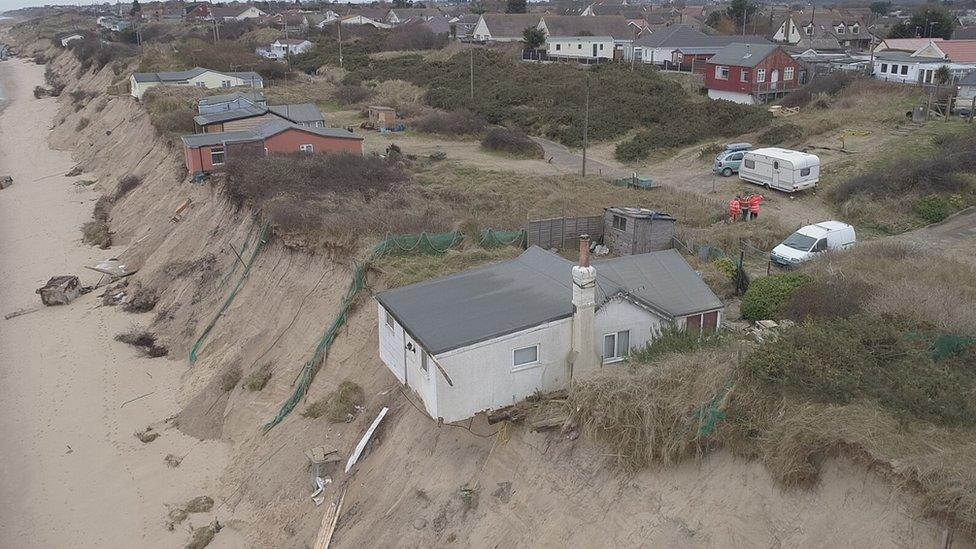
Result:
pixel 584 251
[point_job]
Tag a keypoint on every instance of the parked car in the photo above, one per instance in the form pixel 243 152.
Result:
pixel 780 169
pixel 727 162
pixel 812 240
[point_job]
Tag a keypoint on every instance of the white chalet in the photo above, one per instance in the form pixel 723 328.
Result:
pixel 488 338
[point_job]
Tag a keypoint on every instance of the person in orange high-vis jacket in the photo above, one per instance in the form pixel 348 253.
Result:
pixel 735 209
pixel 754 202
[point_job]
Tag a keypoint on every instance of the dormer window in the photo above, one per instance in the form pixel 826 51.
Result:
pixel 840 29
pixel 855 28
pixel 808 29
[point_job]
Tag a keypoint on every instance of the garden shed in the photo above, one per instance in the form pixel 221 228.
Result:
pixel 382 118
pixel 628 231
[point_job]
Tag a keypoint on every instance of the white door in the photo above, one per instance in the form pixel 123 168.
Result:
pixel 776 169
pixel 774 79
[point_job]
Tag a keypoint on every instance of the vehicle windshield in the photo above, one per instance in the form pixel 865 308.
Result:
pixel 800 242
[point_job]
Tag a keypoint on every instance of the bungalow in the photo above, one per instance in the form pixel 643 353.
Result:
pixel 464 24
pixel 597 37
pixel 402 15
pixel 68 38
pixel 238 12
pixel 503 27
pixel 751 73
pixel 252 116
pixel 683 45
pixel 357 19
pixel 920 66
pixel 231 101
pixel 114 24
pixel 139 82
pixel 283 47
pixel 207 152
pixel 488 338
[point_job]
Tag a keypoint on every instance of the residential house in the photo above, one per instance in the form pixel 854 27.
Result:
pixel 490 337
pixel 683 46
pixel 356 19
pixel 208 152
pixel 964 33
pixel 464 24
pixel 437 25
pixel 283 47
pixel 752 73
pixel 325 18
pixel 503 27
pixel 397 16
pixel 235 12
pixel 592 38
pixel 850 30
pixel 910 45
pixel 139 82
pixel 115 24
pixel 68 37
pixel 291 21
pixel 231 101
pixel 249 116
pixel 920 66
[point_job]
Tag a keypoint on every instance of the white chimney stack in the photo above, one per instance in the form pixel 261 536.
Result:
pixel 584 358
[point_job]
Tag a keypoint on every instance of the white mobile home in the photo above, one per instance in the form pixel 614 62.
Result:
pixel 780 169
pixel 488 338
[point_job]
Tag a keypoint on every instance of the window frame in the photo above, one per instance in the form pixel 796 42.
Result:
pixel 617 356
pixel 306 148
pixel 744 75
pixel 214 152
pixel 804 172
pixel 618 223
pixel 749 163
pixel 390 321
pixel 788 74
pixel 884 68
pixel 424 363
pixel 760 75
pixel 722 72
pixel 516 366
pixel 904 70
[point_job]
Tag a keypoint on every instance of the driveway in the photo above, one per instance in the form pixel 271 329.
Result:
pixel 955 237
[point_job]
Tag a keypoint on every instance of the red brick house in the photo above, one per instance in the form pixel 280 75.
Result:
pixel 207 152
pixel 752 73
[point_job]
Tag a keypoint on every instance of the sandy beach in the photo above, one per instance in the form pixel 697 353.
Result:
pixel 71 470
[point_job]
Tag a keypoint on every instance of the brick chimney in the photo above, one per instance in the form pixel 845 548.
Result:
pixel 584 358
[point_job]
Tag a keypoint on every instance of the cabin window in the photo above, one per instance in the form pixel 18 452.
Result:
pixel 601 47
pixel 307 148
pixel 424 366
pixel 804 172
pixel 721 72
pixel 744 75
pixel 579 46
pixel 616 346
pixel 225 83
pixel 619 223
pixel 525 356
pixel 217 156
pixel 788 73
pixel 390 323
pixel 761 75
pixel 749 163
pixel 904 69
pixel 884 67
pixel 201 84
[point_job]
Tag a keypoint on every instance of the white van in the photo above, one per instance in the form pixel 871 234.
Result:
pixel 780 169
pixel 812 240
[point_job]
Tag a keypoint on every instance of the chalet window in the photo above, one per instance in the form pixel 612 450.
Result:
pixel 424 366
pixel 601 47
pixel 894 69
pixel 201 84
pixel 390 323
pixel 840 29
pixel 721 72
pixel 525 356
pixel 761 75
pixel 804 172
pixel 559 47
pixel 904 69
pixel 884 67
pixel 749 163
pixel 616 346
pixel 788 73
pixel 744 75
pixel 619 223
pixel 225 83
pixel 307 148
pixel 579 46
pixel 217 156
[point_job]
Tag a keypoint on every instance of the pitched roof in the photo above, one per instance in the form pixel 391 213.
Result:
pixel 253 97
pixel 684 36
pixel 480 304
pixel 232 114
pixel 508 25
pixel 176 76
pixel 959 51
pixel 615 26
pixel 742 55
pixel 298 113
pixel 260 133
pixel 908 44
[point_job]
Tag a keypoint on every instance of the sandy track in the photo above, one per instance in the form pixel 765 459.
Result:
pixel 71 471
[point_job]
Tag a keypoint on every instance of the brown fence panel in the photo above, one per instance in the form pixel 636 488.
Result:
pixel 560 232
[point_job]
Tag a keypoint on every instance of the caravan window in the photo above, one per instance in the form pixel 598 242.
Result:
pixel 805 172
pixel 884 67
pixel 776 165
pixel 750 163
pixel 424 365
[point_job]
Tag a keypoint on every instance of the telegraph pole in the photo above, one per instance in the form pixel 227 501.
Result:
pixel 471 51
pixel 586 119
pixel 339 28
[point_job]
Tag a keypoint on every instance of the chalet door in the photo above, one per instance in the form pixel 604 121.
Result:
pixel 774 79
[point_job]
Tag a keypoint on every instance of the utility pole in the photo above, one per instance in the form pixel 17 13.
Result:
pixel 471 57
pixel 586 119
pixel 339 28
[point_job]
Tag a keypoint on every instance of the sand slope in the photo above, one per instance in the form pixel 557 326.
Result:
pixel 70 467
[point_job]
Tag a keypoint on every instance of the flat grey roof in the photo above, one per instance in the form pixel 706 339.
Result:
pixel 253 97
pixel 232 114
pixel 302 112
pixel 176 76
pixel 263 131
pixel 299 112
pixel 480 304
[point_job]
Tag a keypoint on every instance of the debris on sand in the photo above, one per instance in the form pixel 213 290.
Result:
pixel 61 290
pixel 203 536
pixel 146 341
pixel 143 299
pixel 199 504
pixel 115 294
pixel 84 183
pixel 176 516
pixel 75 172
pixel 147 435
pixel 173 461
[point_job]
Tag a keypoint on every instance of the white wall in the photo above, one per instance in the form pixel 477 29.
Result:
pixel 402 355
pixel 735 97
pixel 483 373
pixel 579 48
pixel 620 314
pixel 911 77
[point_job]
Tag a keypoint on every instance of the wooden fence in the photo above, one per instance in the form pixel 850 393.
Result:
pixel 560 232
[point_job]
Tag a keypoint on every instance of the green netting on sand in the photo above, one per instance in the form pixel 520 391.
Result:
pixel 423 243
pixel 262 240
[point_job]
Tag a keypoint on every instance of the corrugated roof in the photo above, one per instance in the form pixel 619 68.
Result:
pixel 299 113
pixel 615 26
pixel 742 55
pixel 480 304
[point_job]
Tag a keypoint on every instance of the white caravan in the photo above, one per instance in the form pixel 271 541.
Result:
pixel 780 169
pixel 811 240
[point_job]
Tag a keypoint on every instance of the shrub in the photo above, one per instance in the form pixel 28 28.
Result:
pixel 675 340
pixel 833 297
pixel 229 379
pixel 935 208
pixel 40 58
pixel 821 86
pixel 96 233
pixel 53 80
pixel 511 142
pixel 143 299
pixel 414 36
pixel 82 124
pixel 126 185
pixel 460 122
pixel 338 406
pixel 783 133
pixel 40 91
pixel 103 207
pixel 258 378
pixel 349 94
pixel 144 340
pixel 92 52
pixel 767 297
pixel 821 101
